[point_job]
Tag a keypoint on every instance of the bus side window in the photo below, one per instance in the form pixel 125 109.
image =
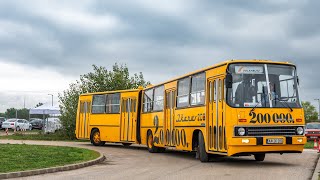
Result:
pixel 183 92
pixel 98 104
pixel 197 93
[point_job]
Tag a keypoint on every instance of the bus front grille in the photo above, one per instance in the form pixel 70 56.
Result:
pixel 272 131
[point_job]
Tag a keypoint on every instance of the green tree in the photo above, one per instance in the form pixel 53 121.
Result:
pixel 21 113
pixel 310 112
pixel 97 81
pixel 11 113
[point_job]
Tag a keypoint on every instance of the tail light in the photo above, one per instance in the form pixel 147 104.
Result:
pixel 299 120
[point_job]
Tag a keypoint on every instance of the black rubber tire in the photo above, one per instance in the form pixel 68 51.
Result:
pixel 161 149
pixel 100 143
pixel 17 128
pixel 126 144
pixel 152 148
pixel 203 155
pixel 259 157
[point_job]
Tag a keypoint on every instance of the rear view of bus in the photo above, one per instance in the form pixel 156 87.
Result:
pixel 264 109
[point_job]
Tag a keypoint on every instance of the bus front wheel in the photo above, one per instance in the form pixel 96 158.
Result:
pixel 203 155
pixel 95 138
pixel 259 157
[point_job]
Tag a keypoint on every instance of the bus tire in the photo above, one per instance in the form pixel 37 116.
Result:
pixel 161 149
pixel 126 144
pixel 259 157
pixel 150 144
pixel 203 155
pixel 95 138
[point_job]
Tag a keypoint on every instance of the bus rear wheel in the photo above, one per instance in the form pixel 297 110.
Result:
pixel 203 155
pixel 259 157
pixel 150 144
pixel 95 138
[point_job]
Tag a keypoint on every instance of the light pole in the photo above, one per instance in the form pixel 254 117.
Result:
pixel 319 108
pixel 51 99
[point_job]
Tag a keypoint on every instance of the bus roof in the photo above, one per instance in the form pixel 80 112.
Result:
pixel 227 62
pixel 110 92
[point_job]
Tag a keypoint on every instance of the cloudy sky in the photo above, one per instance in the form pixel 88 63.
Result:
pixel 45 45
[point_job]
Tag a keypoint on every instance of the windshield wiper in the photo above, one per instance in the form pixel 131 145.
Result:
pixel 254 107
pixel 284 102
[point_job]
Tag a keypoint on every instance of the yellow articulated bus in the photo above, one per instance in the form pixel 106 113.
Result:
pixel 235 108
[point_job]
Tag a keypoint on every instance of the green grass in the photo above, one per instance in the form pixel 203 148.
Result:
pixel 38 136
pixel 21 157
pixel 309 145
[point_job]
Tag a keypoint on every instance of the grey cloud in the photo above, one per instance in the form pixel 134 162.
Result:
pixel 166 45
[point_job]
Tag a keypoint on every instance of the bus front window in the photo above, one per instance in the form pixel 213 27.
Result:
pixel 260 85
pixel 284 86
pixel 247 87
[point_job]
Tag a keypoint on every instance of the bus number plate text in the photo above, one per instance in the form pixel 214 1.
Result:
pixel 275 141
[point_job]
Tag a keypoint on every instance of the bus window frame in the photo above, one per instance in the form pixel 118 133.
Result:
pixel 98 105
pixel 152 101
pixel 143 102
pixel 189 95
pixel 164 95
pixel 204 90
pixel 113 104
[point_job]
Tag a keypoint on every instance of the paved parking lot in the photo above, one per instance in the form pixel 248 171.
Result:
pixel 137 163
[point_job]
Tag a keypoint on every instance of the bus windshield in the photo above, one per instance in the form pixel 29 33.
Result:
pixel 263 85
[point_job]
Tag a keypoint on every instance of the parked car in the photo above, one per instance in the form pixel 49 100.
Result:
pixel 36 123
pixel 312 130
pixel 16 124
pixel 2 119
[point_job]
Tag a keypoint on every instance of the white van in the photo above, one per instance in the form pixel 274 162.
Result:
pixel 52 124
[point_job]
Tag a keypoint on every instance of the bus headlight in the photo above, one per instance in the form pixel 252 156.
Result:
pixel 299 130
pixel 241 131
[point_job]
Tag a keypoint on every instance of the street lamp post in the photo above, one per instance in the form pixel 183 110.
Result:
pixel 319 108
pixel 51 99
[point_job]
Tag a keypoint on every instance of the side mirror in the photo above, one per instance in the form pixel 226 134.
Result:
pixel 229 81
pixel 298 80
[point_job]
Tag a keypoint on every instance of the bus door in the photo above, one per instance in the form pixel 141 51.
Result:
pixel 128 119
pixel 216 121
pixel 169 118
pixel 84 117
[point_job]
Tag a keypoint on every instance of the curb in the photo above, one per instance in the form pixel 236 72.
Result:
pixel 316 171
pixel 53 169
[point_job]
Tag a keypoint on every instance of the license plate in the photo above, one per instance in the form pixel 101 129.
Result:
pixel 275 141
pixel 313 137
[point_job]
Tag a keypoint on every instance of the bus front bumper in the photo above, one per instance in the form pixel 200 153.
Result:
pixel 267 144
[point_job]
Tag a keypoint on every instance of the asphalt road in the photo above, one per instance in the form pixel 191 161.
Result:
pixel 137 163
